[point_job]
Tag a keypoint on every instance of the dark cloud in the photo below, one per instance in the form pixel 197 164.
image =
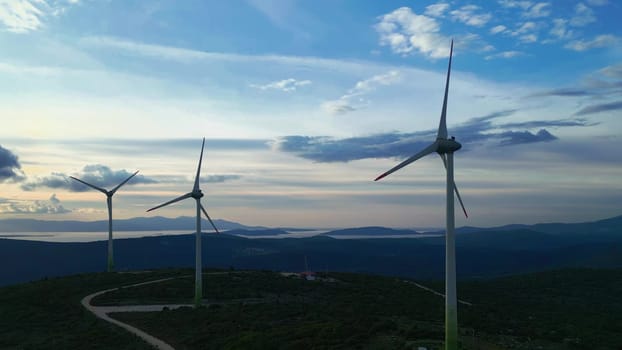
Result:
pixel 97 174
pixel 400 145
pixel 219 178
pixel 509 138
pixel 603 107
pixel 565 92
pixel 51 206
pixel 10 168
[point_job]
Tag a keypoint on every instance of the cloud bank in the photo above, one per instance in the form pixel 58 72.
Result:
pixel 10 168
pixel 399 145
pixel 97 174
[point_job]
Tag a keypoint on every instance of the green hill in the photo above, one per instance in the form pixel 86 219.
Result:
pixel 564 309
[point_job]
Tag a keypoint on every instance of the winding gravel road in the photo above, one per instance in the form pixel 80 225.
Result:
pixel 103 311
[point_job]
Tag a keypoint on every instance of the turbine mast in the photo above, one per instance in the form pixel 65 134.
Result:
pixel 451 302
pixel 110 244
pixel 198 267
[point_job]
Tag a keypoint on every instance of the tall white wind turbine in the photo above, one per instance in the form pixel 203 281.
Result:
pixel 196 194
pixel 109 195
pixel 445 147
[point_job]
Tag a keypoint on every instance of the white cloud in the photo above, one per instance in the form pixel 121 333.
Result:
pixel 598 42
pixel 498 29
pixel 505 54
pixel 515 4
pixel 541 9
pixel 23 16
pixel 286 85
pixel 189 56
pixel 466 14
pixel 405 31
pixel 528 38
pixel 560 30
pixel 355 95
pixel 583 15
pixel 50 206
pixel 436 10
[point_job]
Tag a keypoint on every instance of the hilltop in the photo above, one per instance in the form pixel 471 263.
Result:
pixel 555 310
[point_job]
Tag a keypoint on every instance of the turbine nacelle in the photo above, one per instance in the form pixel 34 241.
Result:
pixel 196 194
pixel 447 145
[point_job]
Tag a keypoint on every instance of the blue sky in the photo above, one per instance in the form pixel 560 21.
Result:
pixel 303 103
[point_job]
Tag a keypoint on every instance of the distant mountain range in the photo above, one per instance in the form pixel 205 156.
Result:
pixel 480 253
pixel 155 223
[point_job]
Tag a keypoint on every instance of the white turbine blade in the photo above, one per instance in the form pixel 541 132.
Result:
pixel 442 128
pixel 187 195
pixel 455 187
pixel 196 179
pixel 431 148
pixel 208 218
pixel 123 183
pixel 92 186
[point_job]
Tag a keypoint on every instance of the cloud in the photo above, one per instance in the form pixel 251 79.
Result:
pixel 406 32
pixel 614 71
pixel 356 94
pixel 541 9
pixel 399 145
pixel 436 10
pixel 505 54
pixel 560 30
pixel 564 92
pixel 219 178
pixel 600 41
pixel 10 168
pixel 286 85
pixel 97 174
pixel 466 14
pixel 598 108
pixel 583 16
pixel 515 4
pixel 50 206
pixel 498 29
pixel 23 16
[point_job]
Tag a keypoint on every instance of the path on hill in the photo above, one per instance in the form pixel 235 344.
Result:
pixel 435 292
pixel 103 311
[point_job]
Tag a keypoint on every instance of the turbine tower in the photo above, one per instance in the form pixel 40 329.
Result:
pixel 196 194
pixel 109 195
pixel 445 147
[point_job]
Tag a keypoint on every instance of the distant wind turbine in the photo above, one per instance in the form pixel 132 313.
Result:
pixel 445 148
pixel 196 194
pixel 109 195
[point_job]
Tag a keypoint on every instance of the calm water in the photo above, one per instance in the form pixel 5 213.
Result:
pixel 102 236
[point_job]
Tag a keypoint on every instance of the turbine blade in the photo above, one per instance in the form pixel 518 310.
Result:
pixel 92 186
pixel 431 148
pixel 123 183
pixel 455 187
pixel 442 128
pixel 208 218
pixel 196 179
pixel 187 195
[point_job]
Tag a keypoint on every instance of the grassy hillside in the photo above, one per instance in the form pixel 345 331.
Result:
pixel 565 309
pixel 47 314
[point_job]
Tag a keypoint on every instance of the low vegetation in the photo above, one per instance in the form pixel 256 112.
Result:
pixel 566 309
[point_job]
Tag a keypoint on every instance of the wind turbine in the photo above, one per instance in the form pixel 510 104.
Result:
pixel 445 147
pixel 196 194
pixel 109 195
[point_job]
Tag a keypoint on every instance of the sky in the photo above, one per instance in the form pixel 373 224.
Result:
pixel 304 103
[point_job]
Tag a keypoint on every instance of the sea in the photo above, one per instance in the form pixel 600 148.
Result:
pixel 102 236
